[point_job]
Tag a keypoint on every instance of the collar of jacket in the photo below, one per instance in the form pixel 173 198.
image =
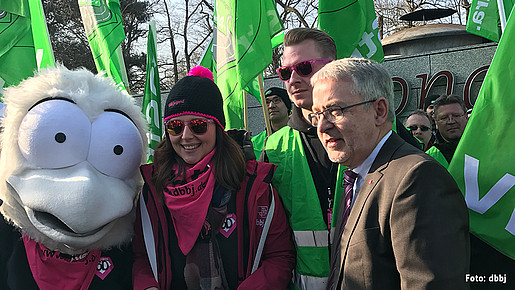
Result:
pixel 298 122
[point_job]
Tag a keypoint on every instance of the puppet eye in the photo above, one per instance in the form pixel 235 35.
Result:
pixel 116 145
pixel 54 134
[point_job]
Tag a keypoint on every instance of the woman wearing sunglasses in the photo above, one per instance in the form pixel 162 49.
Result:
pixel 207 218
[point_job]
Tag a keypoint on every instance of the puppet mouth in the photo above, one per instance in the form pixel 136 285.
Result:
pixel 50 221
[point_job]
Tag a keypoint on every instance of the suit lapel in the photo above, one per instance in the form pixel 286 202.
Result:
pixel 371 180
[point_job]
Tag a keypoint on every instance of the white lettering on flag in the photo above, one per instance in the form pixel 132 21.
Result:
pixel 510 227
pixel 472 187
pixel 39 57
pixel 153 119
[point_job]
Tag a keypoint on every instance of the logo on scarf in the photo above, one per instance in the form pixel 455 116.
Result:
pixel 104 267
pixel 229 225
pixel 187 190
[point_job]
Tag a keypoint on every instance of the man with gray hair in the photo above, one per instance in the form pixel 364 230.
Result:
pixel 402 220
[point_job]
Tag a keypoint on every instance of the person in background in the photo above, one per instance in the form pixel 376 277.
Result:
pixel 305 177
pixel 451 119
pixel 279 109
pixel 208 219
pixel 419 124
pixel 429 106
pixel 403 222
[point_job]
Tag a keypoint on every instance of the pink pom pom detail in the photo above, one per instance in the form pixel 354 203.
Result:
pixel 201 71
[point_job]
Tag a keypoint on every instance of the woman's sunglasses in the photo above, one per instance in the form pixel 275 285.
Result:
pixel 303 68
pixel 197 126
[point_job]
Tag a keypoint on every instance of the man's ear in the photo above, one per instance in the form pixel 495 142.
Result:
pixel 381 111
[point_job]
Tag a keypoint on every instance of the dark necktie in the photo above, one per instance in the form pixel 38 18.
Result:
pixel 350 177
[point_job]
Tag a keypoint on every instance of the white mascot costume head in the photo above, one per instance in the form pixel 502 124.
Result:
pixel 71 146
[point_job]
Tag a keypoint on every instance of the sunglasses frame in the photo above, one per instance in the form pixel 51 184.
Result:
pixel 294 67
pixel 187 124
pixel 421 129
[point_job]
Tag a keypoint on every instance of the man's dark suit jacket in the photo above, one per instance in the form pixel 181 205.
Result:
pixel 408 227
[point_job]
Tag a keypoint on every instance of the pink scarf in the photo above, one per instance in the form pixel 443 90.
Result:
pixel 53 270
pixel 188 203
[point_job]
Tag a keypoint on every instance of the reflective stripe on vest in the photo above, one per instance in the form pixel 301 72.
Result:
pixel 311 238
pixel 294 183
pixel 309 282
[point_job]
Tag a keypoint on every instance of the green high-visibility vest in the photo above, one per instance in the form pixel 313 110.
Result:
pixel 258 143
pixel 294 183
pixel 438 156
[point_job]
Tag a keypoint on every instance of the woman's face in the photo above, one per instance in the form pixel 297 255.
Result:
pixel 191 146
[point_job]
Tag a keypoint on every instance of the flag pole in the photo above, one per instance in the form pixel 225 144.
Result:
pixel 263 105
pixel 245 111
pixel 123 71
pixel 502 14
pixel 42 44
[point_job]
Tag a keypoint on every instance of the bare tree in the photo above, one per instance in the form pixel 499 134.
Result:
pixel 186 32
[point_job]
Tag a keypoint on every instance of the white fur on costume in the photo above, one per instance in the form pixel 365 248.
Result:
pixel 71 149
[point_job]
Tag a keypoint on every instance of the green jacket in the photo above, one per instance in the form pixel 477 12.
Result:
pixel 258 142
pixel 438 156
pixel 295 186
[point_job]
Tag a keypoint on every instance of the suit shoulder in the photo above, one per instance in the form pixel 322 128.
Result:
pixel 410 157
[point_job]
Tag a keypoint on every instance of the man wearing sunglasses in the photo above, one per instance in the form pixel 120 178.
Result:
pixel 305 177
pixel 402 222
pixel 419 124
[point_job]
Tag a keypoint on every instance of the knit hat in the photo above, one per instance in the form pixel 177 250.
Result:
pixel 281 93
pixel 429 100
pixel 195 95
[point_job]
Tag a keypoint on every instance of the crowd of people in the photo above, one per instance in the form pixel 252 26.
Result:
pixel 335 197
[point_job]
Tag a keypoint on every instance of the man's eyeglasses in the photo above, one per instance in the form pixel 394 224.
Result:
pixel 333 114
pixel 415 127
pixel 198 126
pixel 275 101
pixel 303 68
pixel 448 117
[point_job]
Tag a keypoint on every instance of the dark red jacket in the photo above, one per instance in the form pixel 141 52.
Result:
pixel 277 261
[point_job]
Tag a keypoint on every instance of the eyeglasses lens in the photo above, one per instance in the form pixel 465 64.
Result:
pixel 174 127
pixel 198 126
pixel 304 68
pixel 284 73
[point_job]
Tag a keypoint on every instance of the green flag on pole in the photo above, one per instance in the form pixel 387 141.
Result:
pixel 353 26
pixel 243 49
pixel 483 19
pixel 483 163
pixel 42 45
pixel 102 21
pixel 151 107
pixel 17 43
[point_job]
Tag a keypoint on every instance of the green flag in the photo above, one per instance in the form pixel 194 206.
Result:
pixel 17 43
pixel 243 49
pixel 483 19
pixel 207 59
pixel 151 107
pixel 42 45
pixel 353 26
pixel 483 163
pixel 102 21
